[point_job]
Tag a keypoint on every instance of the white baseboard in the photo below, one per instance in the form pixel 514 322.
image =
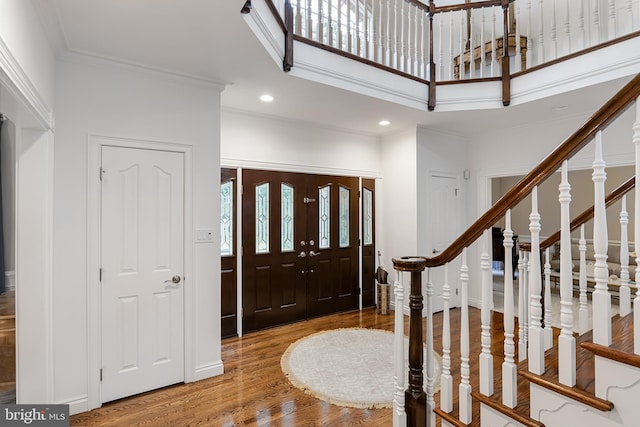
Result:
pixel 77 405
pixel 10 280
pixel 208 371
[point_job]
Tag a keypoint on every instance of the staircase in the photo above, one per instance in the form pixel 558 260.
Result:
pixel 526 372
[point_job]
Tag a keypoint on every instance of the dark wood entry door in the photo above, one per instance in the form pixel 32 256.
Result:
pixel 228 252
pixel 368 243
pixel 300 247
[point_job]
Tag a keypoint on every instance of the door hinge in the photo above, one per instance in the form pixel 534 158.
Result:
pixel 100 374
pixel 456 291
pixel 101 173
pixel 101 274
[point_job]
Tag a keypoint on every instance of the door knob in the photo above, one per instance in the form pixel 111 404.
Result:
pixel 175 279
pixel 302 254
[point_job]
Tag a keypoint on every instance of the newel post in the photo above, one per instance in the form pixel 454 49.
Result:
pixel 287 62
pixel 506 66
pixel 431 102
pixel 415 396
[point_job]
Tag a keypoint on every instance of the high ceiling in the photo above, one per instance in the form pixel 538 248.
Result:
pixel 209 39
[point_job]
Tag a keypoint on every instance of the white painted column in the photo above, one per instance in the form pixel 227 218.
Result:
pixel 509 369
pixel 601 296
pixel 566 341
pixel 399 414
pixel 536 337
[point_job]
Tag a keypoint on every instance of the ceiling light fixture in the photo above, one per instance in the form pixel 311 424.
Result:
pixel 266 98
pixel 384 122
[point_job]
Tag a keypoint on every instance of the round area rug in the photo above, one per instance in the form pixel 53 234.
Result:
pixel 347 367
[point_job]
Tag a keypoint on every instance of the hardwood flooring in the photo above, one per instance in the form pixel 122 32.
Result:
pixel 253 391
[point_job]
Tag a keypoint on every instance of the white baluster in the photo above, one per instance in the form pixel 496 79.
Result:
pixel 509 369
pixel 423 45
pixel 595 30
pixel 525 301
pixel 450 59
pixel 612 19
pixel 566 341
pixel 376 16
pixel 386 53
pixel 394 43
pixel 440 53
pixel 522 345
pixel 446 380
pixel 367 31
pixel 554 31
pixel 428 366
pixel 309 20
pixel 529 34
pixel 583 313
pixel 482 55
pixel 518 64
pixel 567 27
pixel 399 415
pixel 486 358
pixel 472 45
pixel 400 39
pixel 536 338
pixel 548 312
pixel 601 296
pixel 625 291
pixel 416 41
pixel 633 17
pixel 464 390
pixel 298 20
pixel 320 23
pixel 349 42
pixel 636 233
pixel 330 23
pixel 581 30
pixel 541 32
pixel 462 41
pixel 495 68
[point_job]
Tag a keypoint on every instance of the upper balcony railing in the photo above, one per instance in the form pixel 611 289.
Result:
pixel 450 43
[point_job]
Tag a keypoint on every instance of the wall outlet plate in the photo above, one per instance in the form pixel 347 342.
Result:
pixel 204 235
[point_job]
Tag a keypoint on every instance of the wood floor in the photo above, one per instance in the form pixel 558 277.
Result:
pixel 253 391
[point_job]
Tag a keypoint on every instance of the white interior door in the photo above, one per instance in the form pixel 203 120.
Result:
pixel 142 261
pixel 444 230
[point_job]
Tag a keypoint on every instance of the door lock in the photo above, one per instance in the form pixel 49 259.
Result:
pixel 175 279
pixel 302 254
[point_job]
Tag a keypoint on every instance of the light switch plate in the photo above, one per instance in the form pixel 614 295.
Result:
pixel 204 235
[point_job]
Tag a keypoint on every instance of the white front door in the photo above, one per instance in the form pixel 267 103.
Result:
pixel 142 261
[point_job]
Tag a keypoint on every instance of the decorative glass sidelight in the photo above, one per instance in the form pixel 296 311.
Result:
pixel 343 205
pixel 367 216
pixel 262 218
pixel 287 218
pixel 226 218
pixel 324 218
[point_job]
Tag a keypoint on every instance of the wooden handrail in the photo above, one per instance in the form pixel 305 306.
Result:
pixel 585 216
pixel 572 145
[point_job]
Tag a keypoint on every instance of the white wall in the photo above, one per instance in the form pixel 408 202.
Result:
pixel 94 97
pixel 261 142
pixel 400 195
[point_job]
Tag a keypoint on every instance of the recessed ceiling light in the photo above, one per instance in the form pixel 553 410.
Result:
pixel 266 98
pixel 384 122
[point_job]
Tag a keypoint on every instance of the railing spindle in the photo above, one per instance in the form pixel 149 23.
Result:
pixel 566 341
pixel 554 30
pixel 465 410
pixel 509 369
pixel 298 18
pixel 583 313
pixel 548 312
pixel 446 379
pixel 486 358
pixel 595 15
pixel 567 28
pixel 625 291
pixel 399 414
pixel 636 232
pixel 522 346
pixel 612 19
pixel 540 32
pixel 429 368
pixel 581 31
pixel 601 296
pixel 536 338
pixel 494 47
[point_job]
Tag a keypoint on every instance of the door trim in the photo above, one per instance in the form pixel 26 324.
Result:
pixel 94 301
